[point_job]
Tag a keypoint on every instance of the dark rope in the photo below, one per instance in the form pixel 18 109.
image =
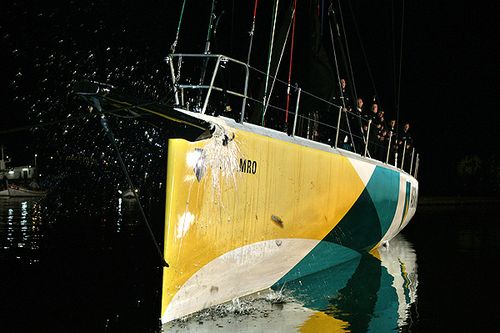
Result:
pixel 347 51
pixel 330 11
pixel 71 119
pixel 363 49
pixel 394 68
pixel 111 137
pixel 400 62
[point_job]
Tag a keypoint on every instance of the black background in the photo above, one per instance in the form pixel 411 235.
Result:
pixel 449 86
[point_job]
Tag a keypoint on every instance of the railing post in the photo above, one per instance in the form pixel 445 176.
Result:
pixel 244 105
pixel 296 112
pixel 416 166
pixel 403 157
pixel 368 136
pixel 388 148
pixel 411 163
pixel 338 128
pixel 172 73
pixel 203 110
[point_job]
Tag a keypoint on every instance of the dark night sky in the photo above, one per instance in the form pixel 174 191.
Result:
pixel 449 90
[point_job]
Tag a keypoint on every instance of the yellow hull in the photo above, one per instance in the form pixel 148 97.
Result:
pixel 242 213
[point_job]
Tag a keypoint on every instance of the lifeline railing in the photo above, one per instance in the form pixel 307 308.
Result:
pixel 196 97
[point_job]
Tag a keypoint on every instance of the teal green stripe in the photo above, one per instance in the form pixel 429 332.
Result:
pixel 359 229
pixel 356 302
pixel 385 315
pixel 371 215
pixel 316 290
pixel 323 256
pixel 383 188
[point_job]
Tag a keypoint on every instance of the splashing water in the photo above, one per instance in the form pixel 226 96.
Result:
pixel 221 158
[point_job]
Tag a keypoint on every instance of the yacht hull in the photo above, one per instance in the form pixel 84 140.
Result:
pixel 254 208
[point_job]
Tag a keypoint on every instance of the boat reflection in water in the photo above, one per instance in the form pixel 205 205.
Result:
pixel 369 292
pixel 20 220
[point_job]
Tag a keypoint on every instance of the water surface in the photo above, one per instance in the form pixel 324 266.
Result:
pixel 77 263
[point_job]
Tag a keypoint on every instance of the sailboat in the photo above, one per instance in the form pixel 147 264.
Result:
pixel 255 198
pixel 14 180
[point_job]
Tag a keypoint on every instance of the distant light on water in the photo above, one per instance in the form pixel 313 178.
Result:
pixel 119 220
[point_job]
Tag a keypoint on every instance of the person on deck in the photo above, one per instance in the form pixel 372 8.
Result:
pixel 372 144
pixel 381 120
pixel 405 135
pixel 392 133
pixel 357 116
pixel 359 107
pixel 405 144
pixel 383 141
pixel 392 126
pixel 345 93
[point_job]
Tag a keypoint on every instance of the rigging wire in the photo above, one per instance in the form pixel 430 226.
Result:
pixel 252 31
pixel 347 51
pixel 332 38
pixel 291 61
pixel 210 26
pixel 275 76
pixel 207 48
pixel 109 134
pixel 397 69
pixel 350 72
pixel 111 137
pixel 370 74
pixel 394 68
pixel 231 37
pixel 330 11
pixel 174 44
pixel 400 63
pixel 71 119
pixel 270 54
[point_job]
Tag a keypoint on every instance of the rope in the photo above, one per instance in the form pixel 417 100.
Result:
pixel 129 181
pixel 67 120
pixel 394 69
pixel 363 49
pixel 174 44
pixel 291 61
pixel 111 137
pixel 331 11
pixel 347 51
pixel 352 75
pixel 397 71
pixel 400 62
